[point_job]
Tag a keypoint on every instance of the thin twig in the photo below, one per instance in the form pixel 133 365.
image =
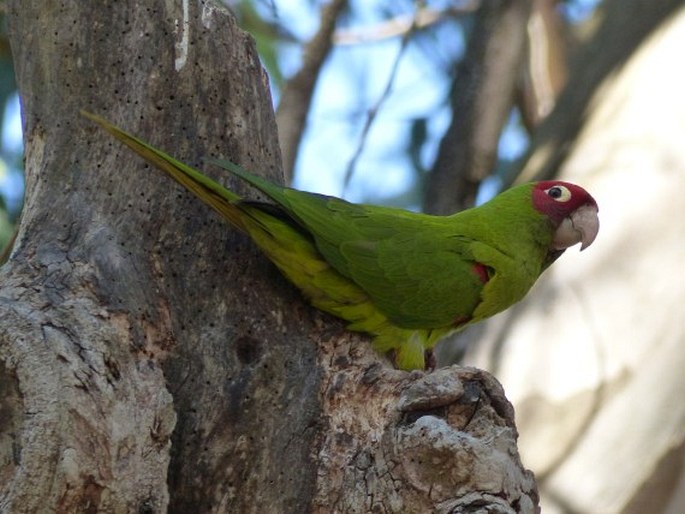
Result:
pixel 423 18
pixel 291 115
pixel 373 111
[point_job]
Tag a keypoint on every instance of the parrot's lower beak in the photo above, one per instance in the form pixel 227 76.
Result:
pixel 580 227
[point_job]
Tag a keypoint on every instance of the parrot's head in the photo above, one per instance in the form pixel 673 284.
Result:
pixel 571 209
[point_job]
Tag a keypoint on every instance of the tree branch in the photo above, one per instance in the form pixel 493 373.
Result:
pixel 481 98
pixel 545 69
pixel 591 65
pixel 399 26
pixel 296 97
pixel 373 111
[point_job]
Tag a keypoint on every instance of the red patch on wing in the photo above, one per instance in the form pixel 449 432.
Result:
pixel 482 272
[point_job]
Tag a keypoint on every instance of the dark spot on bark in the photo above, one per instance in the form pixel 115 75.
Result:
pixel 411 417
pixel 147 506
pixel 248 349
pixel 472 393
pixel 91 496
pixel 112 367
pixel 372 374
pixel 342 361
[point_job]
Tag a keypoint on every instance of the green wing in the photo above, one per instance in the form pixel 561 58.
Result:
pixel 418 281
pixel 417 269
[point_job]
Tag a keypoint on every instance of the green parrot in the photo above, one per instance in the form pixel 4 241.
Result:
pixel 408 279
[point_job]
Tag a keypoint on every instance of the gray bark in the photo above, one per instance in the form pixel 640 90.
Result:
pixel 151 359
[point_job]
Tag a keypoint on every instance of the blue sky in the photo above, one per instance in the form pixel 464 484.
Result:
pixel 352 81
pixel 11 145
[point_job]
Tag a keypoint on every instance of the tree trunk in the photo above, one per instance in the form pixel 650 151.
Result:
pixel 152 359
pixel 600 404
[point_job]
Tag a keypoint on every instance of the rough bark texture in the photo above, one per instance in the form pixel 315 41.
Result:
pixel 150 359
pixel 130 313
pixel 398 442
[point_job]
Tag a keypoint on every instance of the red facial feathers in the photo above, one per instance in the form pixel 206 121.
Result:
pixel 558 199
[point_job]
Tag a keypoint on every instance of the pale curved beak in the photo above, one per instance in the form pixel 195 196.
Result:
pixel 581 226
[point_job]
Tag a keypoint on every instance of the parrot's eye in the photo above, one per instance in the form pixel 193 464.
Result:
pixel 559 193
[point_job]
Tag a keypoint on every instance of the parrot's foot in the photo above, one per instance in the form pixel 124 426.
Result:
pixel 405 348
pixel 429 359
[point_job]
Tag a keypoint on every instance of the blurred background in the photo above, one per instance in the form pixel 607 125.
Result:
pixel 436 106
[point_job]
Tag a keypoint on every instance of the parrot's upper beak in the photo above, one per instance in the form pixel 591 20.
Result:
pixel 580 227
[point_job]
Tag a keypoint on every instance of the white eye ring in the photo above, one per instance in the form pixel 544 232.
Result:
pixel 559 193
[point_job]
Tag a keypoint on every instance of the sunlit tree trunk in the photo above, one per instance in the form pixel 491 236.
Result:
pixel 594 358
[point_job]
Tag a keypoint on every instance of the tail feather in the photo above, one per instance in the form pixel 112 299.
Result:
pixel 291 248
pixel 274 191
pixel 215 195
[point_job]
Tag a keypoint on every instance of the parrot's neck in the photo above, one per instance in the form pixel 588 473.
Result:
pixel 513 227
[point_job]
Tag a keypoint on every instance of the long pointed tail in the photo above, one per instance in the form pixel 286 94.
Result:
pixel 210 192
